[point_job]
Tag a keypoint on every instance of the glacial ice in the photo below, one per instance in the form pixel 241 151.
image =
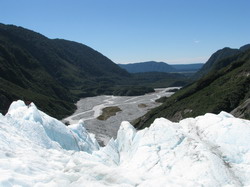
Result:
pixel 38 150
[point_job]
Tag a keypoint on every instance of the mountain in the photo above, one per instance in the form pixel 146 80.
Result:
pixel 245 47
pixel 53 73
pixel 187 67
pixel 215 62
pixel 150 66
pixel 38 150
pixel 222 90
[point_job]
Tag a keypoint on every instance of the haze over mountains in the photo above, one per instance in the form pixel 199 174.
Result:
pixel 153 66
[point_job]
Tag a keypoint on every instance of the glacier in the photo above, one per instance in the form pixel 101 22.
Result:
pixel 38 150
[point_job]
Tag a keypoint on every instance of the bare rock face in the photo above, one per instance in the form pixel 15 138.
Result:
pixel 243 110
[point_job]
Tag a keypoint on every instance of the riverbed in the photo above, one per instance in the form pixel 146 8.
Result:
pixel 132 107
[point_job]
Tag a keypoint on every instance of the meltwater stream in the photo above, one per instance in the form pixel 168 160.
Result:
pixel 132 107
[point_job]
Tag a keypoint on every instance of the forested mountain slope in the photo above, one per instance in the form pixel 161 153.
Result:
pixel 222 90
pixel 220 59
pixel 52 73
pixel 55 73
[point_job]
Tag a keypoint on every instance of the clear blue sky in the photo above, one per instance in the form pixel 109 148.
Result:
pixel 173 31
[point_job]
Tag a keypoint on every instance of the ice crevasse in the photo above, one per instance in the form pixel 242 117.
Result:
pixel 38 150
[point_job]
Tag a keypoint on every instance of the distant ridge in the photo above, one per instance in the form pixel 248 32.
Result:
pixel 153 66
pixel 150 66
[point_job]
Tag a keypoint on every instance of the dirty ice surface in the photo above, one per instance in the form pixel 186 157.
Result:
pixel 38 150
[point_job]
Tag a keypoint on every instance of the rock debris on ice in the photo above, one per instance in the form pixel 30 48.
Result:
pixel 38 150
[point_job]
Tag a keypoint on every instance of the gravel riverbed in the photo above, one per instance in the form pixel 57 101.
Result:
pixel 132 107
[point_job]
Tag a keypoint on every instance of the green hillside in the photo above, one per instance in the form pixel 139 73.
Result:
pixel 220 59
pixel 222 90
pixel 51 73
pixel 55 73
pixel 160 79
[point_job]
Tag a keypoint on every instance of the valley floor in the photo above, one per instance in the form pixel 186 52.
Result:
pixel 132 107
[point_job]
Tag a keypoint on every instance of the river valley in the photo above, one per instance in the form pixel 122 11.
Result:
pixel 130 108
